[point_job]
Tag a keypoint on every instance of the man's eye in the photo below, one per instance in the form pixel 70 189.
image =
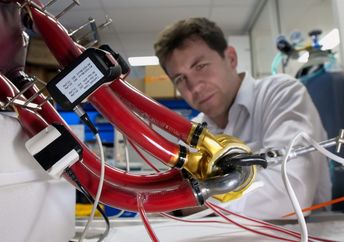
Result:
pixel 201 66
pixel 179 79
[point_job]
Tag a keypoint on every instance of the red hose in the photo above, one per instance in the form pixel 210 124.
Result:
pixel 170 178
pixel 48 27
pixel 165 191
pixel 158 114
pixel 56 37
pixel 65 51
pixel 120 197
pixel 109 105
pixel 114 195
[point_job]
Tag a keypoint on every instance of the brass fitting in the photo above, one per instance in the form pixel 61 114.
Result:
pixel 210 149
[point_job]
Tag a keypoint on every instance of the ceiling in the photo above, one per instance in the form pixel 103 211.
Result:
pixel 136 23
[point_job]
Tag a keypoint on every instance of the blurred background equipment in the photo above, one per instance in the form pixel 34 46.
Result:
pixel 324 79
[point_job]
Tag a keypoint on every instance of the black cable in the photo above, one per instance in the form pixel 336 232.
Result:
pixel 101 211
pixel 88 196
pixel 85 119
pixel 228 163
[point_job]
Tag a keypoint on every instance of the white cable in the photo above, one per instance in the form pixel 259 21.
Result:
pixel 291 193
pixel 100 187
pixel 323 150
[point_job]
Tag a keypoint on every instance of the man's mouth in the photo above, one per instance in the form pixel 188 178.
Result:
pixel 205 99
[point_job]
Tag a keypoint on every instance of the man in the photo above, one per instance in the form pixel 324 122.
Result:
pixel 263 113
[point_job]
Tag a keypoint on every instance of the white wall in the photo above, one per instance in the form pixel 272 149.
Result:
pixel 283 17
pixel 263 35
pixel 242 46
pixel 305 16
pixel 338 12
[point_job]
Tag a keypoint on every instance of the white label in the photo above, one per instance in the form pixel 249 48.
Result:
pixel 79 80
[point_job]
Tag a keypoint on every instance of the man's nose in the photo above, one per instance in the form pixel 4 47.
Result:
pixel 193 83
pixel 196 87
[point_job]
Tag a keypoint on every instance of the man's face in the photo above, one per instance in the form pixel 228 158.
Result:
pixel 206 80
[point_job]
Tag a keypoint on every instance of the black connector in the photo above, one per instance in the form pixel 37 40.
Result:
pixel 124 65
pixel 85 119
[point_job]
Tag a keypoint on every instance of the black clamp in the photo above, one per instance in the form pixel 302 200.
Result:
pixel 197 133
pixel 124 65
pixel 195 186
pixel 182 156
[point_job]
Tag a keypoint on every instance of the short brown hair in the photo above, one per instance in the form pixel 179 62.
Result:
pixel 173 36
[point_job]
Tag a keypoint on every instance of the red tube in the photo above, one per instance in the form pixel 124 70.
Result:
pixel 158 114
pixel 178 194
pixel 149 182
pixel 144 218
pixel 168 200
pixel 65 51
pixel 56 37
pixel 108 104
pixel 149 140
pixel 162 180
pixel 112 195
pixel 54 34
pixel 48 27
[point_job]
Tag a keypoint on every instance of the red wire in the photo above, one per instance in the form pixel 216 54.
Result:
pixel 269 225
pixel 142 156
pixel 191 221
pixel 211 206
pixel 292 233
pixel 264 224
pixel 273 227
pixel 144 218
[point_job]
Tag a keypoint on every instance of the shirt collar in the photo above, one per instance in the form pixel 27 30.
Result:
pixel 245 95
pixel 244 98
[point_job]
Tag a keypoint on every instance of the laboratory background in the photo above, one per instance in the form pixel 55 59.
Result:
pixel 97 143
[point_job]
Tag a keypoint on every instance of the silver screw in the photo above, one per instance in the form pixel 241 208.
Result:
pixel 340 140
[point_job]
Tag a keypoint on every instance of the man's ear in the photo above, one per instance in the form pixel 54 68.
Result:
pixel 231 56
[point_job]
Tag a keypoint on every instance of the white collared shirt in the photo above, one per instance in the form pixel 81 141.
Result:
pixel 269 113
